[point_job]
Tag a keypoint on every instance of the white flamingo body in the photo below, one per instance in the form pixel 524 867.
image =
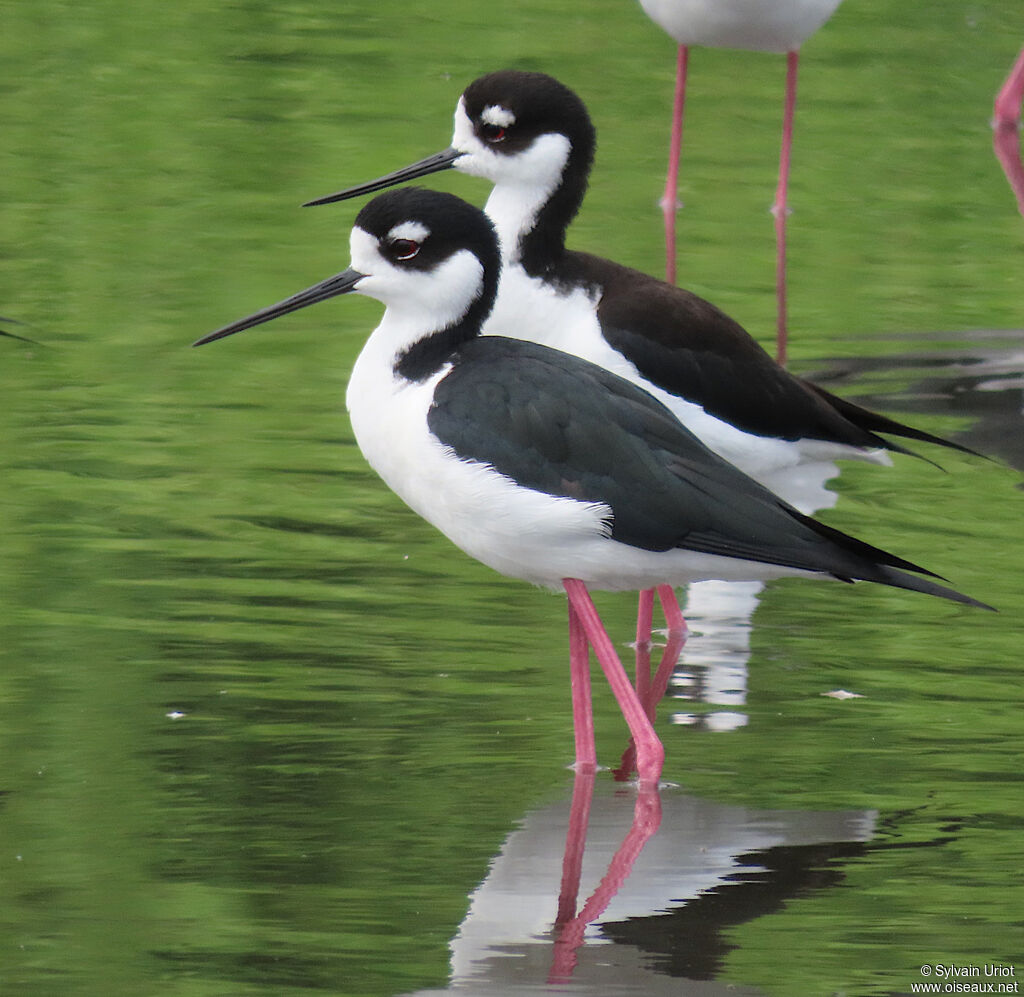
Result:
pixel 757 25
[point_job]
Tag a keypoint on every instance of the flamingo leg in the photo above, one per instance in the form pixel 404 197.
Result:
pixel 780 209
pixel 650 753
pixel 670 204
pixel 1006 129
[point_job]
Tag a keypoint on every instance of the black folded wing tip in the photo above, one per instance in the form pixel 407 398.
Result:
pixel 875 422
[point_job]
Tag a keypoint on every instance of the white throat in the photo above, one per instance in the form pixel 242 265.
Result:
pixel 418 302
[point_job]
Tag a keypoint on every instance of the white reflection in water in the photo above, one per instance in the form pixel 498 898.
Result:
pixel 713 666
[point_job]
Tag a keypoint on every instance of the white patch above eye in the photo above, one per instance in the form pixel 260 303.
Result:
pixel 414 231
pixel 498 115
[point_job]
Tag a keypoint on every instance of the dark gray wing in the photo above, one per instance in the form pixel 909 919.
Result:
pixel 557 424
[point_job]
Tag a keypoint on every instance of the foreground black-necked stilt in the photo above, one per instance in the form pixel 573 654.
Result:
pixel 532 138
pixel 541 465
pixel 755 25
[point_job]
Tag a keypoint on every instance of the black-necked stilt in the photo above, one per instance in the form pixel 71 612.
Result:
pixel 532 138
pixel 541 465
pixel 1006 125
pixel 755 25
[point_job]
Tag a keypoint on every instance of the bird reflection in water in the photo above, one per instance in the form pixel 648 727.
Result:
pixel 632 891
pixel 570 923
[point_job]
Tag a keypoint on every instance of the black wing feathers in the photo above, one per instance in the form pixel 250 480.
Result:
pixel 562 426
pixel 687 346
pixel 877 423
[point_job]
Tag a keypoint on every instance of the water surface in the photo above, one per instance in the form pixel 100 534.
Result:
pixel 265 732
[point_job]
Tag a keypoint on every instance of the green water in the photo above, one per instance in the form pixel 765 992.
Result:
pixel 261 729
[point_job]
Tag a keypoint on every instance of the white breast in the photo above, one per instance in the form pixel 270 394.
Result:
pixel 511 529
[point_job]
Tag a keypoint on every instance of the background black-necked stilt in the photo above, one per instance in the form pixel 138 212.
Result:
pixel 541 465
pixel 532 137
pixel 758 25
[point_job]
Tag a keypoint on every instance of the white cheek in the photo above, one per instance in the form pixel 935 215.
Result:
pixel 539 166
pixel 442 296
pixel 428 299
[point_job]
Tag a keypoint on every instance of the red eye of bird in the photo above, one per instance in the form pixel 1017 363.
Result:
pixel 492 133
pixel 404 249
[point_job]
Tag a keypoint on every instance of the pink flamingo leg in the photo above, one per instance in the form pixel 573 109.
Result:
pixel 1006 125
pixel 780 209
pixel 582 708
pixel 670 202
pixel 650 753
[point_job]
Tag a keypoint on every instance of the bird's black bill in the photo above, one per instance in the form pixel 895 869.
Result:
pixel 340 283
pixel 443 160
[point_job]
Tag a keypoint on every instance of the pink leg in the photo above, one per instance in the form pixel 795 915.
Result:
pixel 646 821
pixel 642 676
pixel 575 843
pixel 780 209
pixel 642 648
pixel 645 617
pixel 666 668
pixel 582 708
pixel 653 692
pixel 670 607
pixel 650 753
pixel 1006 125
pixel 670 202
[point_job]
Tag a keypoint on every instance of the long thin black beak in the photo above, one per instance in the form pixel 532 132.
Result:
pixel 443 160
pixel 340 283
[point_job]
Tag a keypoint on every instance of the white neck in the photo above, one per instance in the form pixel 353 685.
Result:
pixel 513 211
